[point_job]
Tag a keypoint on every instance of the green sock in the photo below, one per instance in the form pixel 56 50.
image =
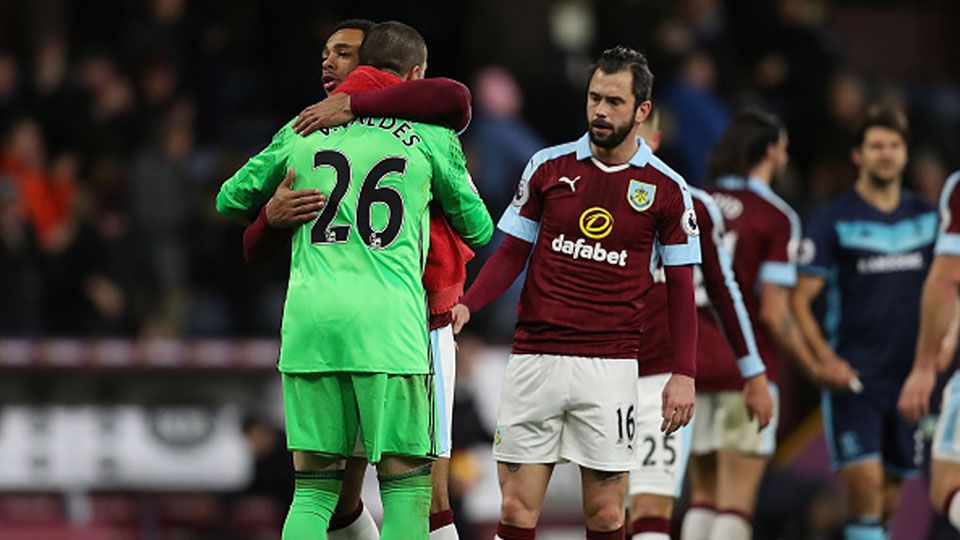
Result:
pixel 406 505
pixel 314 499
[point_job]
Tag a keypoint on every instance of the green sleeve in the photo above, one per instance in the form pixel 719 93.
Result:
pixel 454 190
pixel 242 195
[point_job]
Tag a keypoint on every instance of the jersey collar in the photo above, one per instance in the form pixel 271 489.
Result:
pixel 639 159
pixel 737 183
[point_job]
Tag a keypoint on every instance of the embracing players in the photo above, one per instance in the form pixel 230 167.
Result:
pixel 597 214
pixel 357 371
pixel 367 92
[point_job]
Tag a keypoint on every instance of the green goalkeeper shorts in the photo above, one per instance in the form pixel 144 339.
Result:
pixel 360 414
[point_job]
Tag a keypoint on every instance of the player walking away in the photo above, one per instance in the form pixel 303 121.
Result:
pixel 436 100
pixel 935 349
pixel 596 213
pixel 354 357
pixel 730 452
pixel 870 248
pixel 662 459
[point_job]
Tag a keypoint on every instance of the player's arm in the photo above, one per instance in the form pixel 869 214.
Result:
pixel 936 344
pixel 521 223
pixel 271 231
pixel 496 276
pixel 454 190
pixel 938 310
pixel 439 101
pixel 678 245
pixel 727 301
pixel 242 195
pixel 818 253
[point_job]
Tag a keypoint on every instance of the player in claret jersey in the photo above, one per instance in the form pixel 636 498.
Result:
pixel 662 459
pixel 729 450
pixel 870 248
pixel 935 350
pixel 597 213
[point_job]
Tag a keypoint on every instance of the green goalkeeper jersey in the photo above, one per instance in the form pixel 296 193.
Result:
pixel 355 298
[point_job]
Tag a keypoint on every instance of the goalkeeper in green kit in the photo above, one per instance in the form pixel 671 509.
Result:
pixel 354 351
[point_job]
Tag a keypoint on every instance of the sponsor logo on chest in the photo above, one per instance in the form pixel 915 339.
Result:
pixel 596 223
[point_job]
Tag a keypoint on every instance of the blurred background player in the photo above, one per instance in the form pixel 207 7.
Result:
pixel 936 346
pixel 662 459
pixel 730 452
pixel 347 384
pixel 870 249
pixel 595 212
pixel 437 100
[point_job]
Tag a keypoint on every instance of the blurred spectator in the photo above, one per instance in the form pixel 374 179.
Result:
pixel 9 87
pixel 498 144
pixel 832 172
pixel 698 113
pixel 272 462
pixel 47 200
pixel 160 210
pixel 498 140
pixel 19 271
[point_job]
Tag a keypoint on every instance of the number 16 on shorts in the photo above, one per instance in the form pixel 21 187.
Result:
pixel 626 424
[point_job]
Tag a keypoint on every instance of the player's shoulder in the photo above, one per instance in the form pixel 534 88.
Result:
pixel 762 203
pixel 705 206
pixel 549 154
pixel 950 194
pixel 432 135
pixel 916 203
pixel 843 206
pixel 656 168
pixel 768 195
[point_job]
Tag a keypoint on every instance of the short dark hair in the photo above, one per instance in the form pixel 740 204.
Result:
pixel 620 58
pixel 744 143
pixel 881 116
pixel 364 25
pixel 393 46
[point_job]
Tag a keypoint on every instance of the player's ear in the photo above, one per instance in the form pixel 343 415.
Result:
pixel 856 157
pixel 417 72
pixel 643 111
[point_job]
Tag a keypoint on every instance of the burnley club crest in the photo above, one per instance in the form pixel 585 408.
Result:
pixel 640 195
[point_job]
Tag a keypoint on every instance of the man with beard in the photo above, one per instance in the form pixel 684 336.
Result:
pixel 729 451
pixel 597 214
pixel 870 248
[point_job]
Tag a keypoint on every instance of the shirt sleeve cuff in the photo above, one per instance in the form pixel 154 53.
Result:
pixel 948 244
pixel 778 273
pixel 750 366
pixel 514 224
pixel 681 254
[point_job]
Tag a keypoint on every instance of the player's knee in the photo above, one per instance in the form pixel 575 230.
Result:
pixel 604 518
pixel 514 512
pixel 646 506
